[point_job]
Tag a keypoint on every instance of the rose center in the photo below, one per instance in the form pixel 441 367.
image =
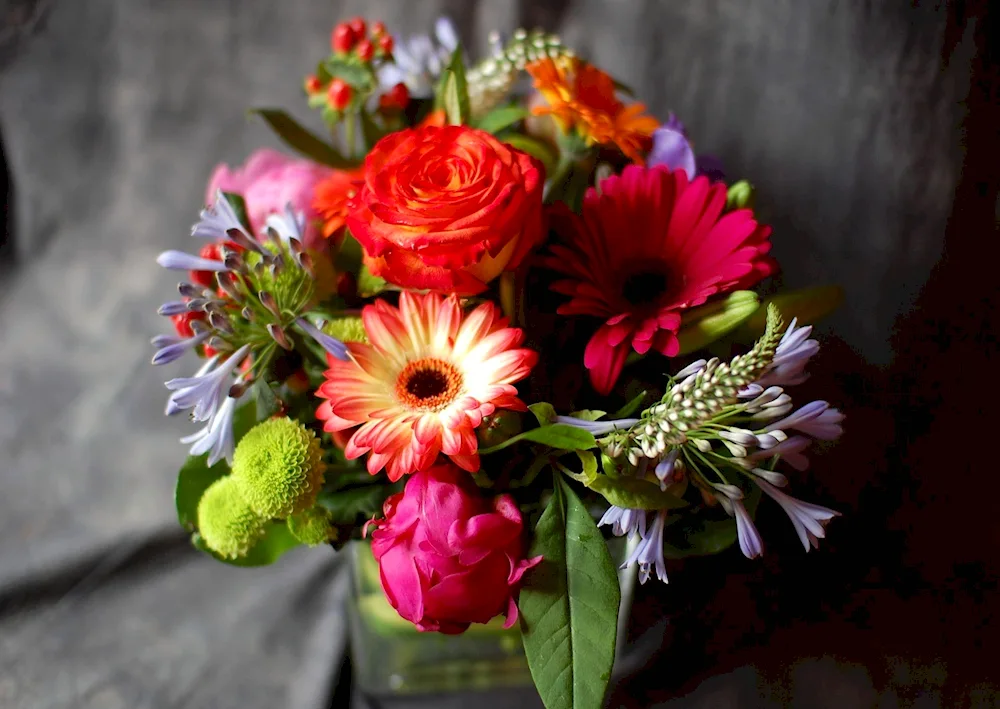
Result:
pixel 644 287
pixel 428 384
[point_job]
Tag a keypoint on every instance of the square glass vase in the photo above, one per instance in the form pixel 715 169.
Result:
pixel 390 657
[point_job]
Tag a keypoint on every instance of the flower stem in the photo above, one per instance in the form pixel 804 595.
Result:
pixel 508 296
pixel 350 119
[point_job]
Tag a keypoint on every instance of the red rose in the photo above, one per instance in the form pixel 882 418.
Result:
pixel 447 208
pixel 447 556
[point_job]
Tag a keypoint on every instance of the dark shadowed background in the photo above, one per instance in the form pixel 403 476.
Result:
pixel 871 132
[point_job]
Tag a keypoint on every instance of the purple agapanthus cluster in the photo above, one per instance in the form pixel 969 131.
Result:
pixel 745 436
pixel 228 324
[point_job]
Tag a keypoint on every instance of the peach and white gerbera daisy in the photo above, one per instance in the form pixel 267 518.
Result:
pixel 424 383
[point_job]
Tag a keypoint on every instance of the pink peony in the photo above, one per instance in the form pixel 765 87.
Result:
pixel 447 556
pixel 268 182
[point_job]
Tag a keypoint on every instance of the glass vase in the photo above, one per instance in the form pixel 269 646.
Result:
pixel 391 658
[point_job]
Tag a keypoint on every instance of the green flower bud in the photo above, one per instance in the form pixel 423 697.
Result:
pixel 226 523
pixel 278 466
pixel 346 329
pixel 498 428
pixel 739 196
pixel 312 526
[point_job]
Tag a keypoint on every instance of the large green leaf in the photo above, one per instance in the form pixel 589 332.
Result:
pixel 635 493
pixel 536 148
pixel 502 117
pixel 707 323
pixel 558 435
pixel 300 139
pixel 807 304
pixel 569 606
pixel 275 542
pixel 347 506
pixel 195 476
pixel 456 90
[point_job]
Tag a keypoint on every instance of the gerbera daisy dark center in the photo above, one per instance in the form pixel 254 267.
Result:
pixel 428 384
pixel 644 287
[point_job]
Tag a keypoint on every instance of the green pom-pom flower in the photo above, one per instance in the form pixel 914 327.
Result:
pixel 226 522
pixel 278 467
pixel 346 329
pixel 312 526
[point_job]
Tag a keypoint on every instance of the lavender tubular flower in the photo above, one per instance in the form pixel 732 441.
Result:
pixel 173 307
pixel 751 544
pixel 808 519
pixel 598 428
pixel 790 451
pixel 216 438
pixel 816 419
pixel 666 468
pixel 180 261
pixel 174 350
pixel 217 220
pixel 290 225
pixel 205 392
pixel 624 521
pixel 649 553
pixel 790 359
pixel 332 345
pixel 419 60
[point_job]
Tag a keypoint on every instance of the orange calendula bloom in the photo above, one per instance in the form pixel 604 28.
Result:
pixel 582 97
pixel 331 198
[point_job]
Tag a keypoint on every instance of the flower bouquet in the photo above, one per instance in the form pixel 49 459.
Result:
pixel 496 316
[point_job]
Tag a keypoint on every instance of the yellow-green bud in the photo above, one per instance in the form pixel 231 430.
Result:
pixel 739 196
pixel 226 522
pixel 312 526
pixel 278 466
pixel 346 329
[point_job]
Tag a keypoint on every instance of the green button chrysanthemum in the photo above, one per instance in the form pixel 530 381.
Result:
pixel 226 522
pixel 278 467
pixel 312 526
pixel 346 329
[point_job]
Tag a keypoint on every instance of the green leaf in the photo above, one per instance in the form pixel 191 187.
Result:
pixel 349 256
pixel 635 493
pixel 358 75
pixel 569 606
pixel 239 206
pixel 807 304
pixel 300 139
pixel 456 90
pixel 369 284
pixel 589 462
pixel 347 506
pixel 707 323
pixel 195 476
pixel 544 412
pixel 275 542
pixel 631 407
pixel 557 435
pixel 588 414
pixel 502 117
pixel 534 147
pixel 267 402
pixel 370 130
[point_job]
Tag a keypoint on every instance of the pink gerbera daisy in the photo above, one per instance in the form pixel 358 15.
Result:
pixel 646 247
pixel 424 383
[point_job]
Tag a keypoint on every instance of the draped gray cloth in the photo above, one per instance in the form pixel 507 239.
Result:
pixel 112 118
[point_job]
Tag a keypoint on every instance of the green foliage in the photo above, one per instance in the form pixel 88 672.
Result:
pixel 239 206
pixel 226 522
pixel 276 540
pixel 808 305
pixel 278 467
pixel 350 70
pixel 300 139
pixel 558 435
pixel 354 504
pixel 569 606
pixel 707 323
pixel 456 90
pixel 635 493
pixel 502 117
pixel 534 147
pixel 631 407
pixel 371 131
pixel 544 412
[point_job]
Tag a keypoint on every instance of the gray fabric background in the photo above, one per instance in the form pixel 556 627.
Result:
pixel 843 113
